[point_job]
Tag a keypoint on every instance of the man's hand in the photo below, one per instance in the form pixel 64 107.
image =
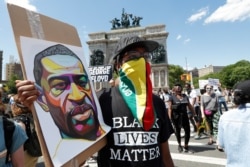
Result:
pixel 27 92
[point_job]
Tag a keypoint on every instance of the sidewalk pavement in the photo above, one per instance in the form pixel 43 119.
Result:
pixel 91 162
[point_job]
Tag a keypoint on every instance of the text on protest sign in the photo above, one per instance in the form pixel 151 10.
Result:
pixel 101 73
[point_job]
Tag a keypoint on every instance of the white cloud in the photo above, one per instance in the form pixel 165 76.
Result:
pixel 184 41
pixel 22 3
pixel 178 37
pixel 233 10
pixel 187 40
pixel 199 15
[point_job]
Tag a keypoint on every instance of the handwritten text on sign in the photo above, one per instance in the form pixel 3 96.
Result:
pixel 101 73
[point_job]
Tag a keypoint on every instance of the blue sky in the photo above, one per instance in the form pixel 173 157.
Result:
pixel 201 32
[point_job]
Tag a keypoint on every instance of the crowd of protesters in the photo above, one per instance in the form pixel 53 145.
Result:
pixel 207 105
pixel 184 106
pixel 226 129
pixel 173 110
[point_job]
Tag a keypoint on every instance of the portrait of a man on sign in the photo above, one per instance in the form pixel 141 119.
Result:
pixel 65 92
pixel 67 108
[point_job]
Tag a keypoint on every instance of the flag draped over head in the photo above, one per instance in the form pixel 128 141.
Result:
pixel 135 84
pixel 136 90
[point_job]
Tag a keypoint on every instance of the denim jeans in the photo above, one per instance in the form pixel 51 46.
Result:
pixel 224 105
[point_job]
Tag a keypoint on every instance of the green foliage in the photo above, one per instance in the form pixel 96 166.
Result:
pixel 12 85
pixel 175 72
pixel 196 82
pixel 228 76
pixel 234 73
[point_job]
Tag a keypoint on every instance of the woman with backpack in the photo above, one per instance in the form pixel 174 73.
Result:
pixel 12 138
pixel 24 117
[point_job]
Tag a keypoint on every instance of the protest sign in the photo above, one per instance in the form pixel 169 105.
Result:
pixel 38 36
pixel 214 82
pixel 202 83
pixel 101 73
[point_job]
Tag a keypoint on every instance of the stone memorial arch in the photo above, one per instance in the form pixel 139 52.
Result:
pixel 102 44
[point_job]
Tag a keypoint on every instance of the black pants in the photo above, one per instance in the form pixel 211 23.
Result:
pixel 181 120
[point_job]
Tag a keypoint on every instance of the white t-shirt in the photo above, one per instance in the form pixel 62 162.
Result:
pixel 191 96
pixel 166 98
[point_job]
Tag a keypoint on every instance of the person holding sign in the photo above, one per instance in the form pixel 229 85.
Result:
pixel 140 126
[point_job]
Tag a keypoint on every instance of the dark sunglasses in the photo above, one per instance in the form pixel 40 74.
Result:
pixel 135 55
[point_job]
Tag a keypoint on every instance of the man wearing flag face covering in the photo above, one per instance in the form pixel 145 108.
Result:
pixel 140 125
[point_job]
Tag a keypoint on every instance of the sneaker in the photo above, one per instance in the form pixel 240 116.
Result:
pixel 180 149
pixel 187 150
pixel 205 134
pixel 211 142
pixel 219 149
pixel 197 137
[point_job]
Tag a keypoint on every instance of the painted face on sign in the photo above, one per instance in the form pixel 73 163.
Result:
pixel 68 96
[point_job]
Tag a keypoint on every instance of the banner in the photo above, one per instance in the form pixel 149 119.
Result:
pixel 211 81
pixel 67 107
pixel 67 113
pixel 202 83
pixel 214 82
pixel 101 73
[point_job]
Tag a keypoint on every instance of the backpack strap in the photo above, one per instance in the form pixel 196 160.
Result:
pixel 25 119
pixel 9 128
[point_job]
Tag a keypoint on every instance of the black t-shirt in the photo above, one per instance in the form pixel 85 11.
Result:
pixel 180 106
pixel 128 145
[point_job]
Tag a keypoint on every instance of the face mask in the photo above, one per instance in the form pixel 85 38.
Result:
pixel 136 89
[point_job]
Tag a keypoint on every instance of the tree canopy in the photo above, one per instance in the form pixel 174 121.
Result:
pixel 232 74
pixel 228 76
pixel 12 85
pixel 175 72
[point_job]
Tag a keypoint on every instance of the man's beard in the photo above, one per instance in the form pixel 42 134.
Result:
pixel 66 127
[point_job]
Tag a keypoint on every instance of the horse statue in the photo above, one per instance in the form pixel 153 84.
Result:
pixel 125 22
pixel 97 58
pixel 136 21
pixel 115 23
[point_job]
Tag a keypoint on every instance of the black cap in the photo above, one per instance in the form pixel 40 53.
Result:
pixel 244 87
pixel 130 41
pixel 242 92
